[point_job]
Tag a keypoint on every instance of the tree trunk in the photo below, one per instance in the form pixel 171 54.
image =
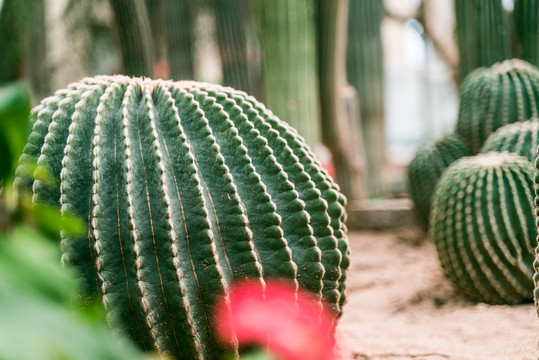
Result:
pixel 339 127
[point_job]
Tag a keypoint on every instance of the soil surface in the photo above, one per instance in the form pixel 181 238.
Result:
pixel 400 306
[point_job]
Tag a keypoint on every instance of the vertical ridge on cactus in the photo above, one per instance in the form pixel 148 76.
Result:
pixel 521 138
pixel 483 226
pixel 492 97
pixel 527 29
pixel 185 188
pixel 427 167
pixel 290 86
pixel 483 34
pixel 536 260
pixel 365 71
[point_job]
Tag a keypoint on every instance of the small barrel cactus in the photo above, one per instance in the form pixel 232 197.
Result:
pixel 521 138
pixel 185 188
pixel 425 170
pixel 483 226
pixel 492 97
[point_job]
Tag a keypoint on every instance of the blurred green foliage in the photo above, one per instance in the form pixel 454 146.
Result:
pixel 42 314
pixel 14 125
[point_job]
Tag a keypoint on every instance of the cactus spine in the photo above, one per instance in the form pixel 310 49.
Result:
pixel 492 97
pixel 186 187
pixel 427 167
pixel 521 138
pixel 483 226
pixel 483 34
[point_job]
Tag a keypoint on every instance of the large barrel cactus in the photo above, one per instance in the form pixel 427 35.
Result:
pixel 484 228
pixel 425 170
pixel 521 138
pixel 492 97
pixel 185 188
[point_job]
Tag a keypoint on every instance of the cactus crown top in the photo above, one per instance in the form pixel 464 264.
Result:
pixel 492 97
pixel 521 138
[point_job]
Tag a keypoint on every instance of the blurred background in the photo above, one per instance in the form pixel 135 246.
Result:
pixel 364 81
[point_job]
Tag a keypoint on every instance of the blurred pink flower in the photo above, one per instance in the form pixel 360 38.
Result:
pixel 161 70
pixel 291 325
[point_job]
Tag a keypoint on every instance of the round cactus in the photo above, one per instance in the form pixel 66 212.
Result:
pixel 185 188
pixel 521 138
pixel 483 226
pixel 425 170
pixel 505 93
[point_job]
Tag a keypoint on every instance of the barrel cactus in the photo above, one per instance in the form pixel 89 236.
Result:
pixel 185 188
pixel 425 170
pixel 492 97
pixel 483 226
pixel 521 138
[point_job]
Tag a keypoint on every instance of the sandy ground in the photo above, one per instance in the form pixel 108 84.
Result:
pixel 400 306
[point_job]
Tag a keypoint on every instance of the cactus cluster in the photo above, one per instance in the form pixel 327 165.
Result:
pixel 425 170
pixel 481 212
pixel 484 228
pixel 185 188
pixel 505 93
pixel 521 138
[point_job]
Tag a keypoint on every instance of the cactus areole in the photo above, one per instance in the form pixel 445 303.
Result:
pixel 185 188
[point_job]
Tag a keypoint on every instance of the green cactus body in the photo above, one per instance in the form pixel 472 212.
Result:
pixel 237 45
pixel 521 138
pixel 483 226
pixel 483 34
pixel 536 261
pixel 526 25
pixel 427 167
pixel 492 97
pixel 365 72
pixel 186 187
pixel 287 34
